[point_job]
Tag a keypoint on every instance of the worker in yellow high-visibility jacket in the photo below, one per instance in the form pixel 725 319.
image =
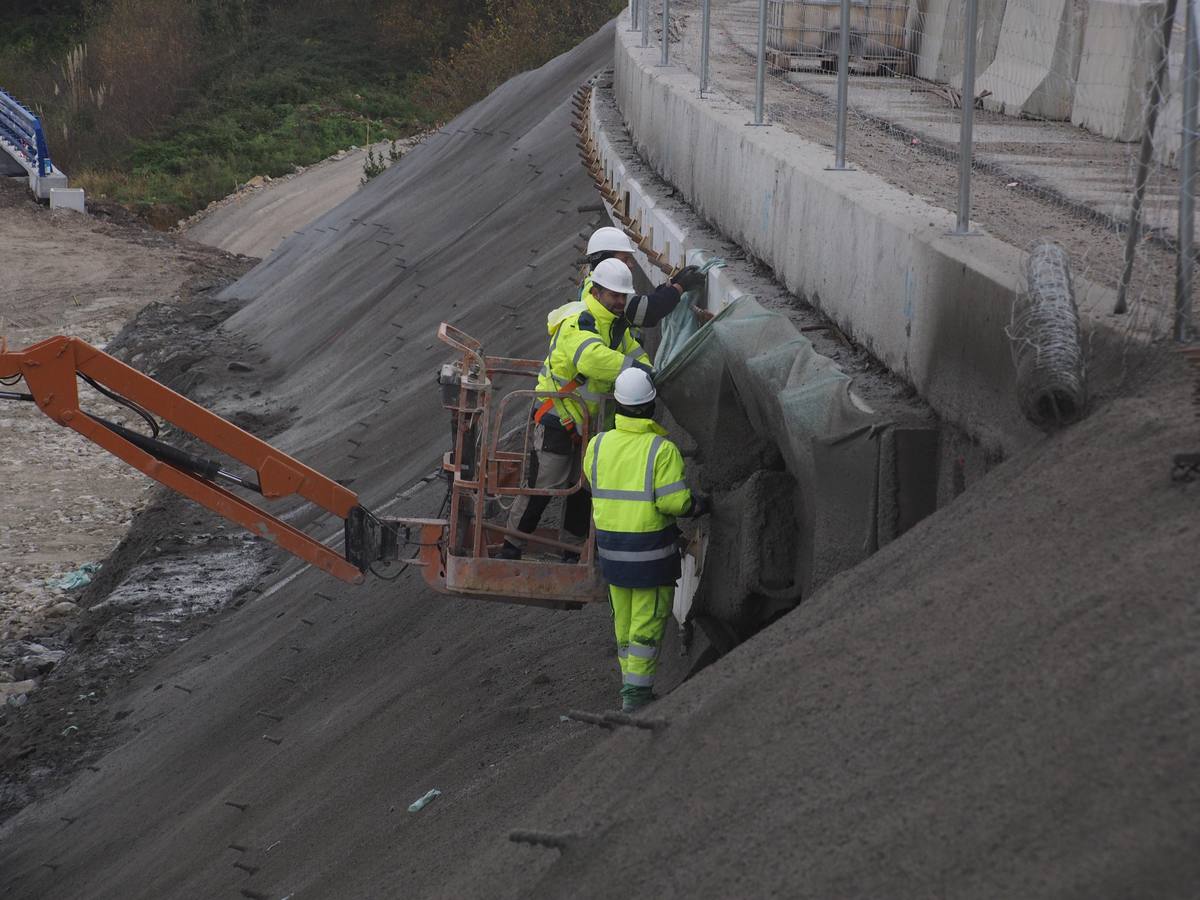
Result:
pixel 590 345
pixel 638 489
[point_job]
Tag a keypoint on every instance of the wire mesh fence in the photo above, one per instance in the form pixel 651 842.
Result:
pixel 1063 96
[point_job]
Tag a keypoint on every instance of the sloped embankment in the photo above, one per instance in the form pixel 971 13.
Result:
pixel 1000 703
pixel 276 753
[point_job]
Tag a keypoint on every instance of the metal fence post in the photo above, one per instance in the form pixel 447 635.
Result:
pixel 965 145
pixel 666 27
pixel 760 78
pixel 843 90
pixel 705 25
pixel 645 23
pixel 1143 170
pixel 1185 258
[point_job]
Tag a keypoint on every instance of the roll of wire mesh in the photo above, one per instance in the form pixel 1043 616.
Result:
pixel 1047 348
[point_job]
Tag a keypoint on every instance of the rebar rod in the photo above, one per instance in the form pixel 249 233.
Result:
pixel 967 134
pixel 760 78
pixel 1185 257
pixel 843 88
pixel 1134 233
pixel 705 28
pixel 665 59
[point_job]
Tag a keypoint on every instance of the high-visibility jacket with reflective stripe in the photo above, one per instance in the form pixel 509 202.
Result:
pixel 591 345
pixel 636 477
pixel 645 310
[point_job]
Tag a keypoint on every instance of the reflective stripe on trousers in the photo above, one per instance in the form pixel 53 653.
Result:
pixel 640 619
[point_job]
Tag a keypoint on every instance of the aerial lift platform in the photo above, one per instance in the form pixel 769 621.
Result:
pixel 454 554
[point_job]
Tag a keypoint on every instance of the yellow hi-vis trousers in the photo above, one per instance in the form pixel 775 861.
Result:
pixel 639 619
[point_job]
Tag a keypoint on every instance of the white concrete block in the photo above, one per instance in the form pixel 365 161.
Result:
pixel 1120 42
pixel 940 53
pixel 1037 58
pixel 67 198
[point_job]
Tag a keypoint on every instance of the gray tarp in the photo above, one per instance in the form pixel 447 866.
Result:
pixel 754 395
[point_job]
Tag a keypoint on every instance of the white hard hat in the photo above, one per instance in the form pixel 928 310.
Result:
pixel 614 275
pixel 612 240
pixel 634 388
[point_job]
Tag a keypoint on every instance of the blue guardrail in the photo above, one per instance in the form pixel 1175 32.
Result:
pixel 23 130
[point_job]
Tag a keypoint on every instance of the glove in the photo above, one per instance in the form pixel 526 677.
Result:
pixel 648 369
pixel 701 505
pixel 690 278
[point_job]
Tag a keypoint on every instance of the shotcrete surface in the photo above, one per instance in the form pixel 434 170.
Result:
pixel 1000 703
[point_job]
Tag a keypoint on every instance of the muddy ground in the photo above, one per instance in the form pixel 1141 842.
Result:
pixel 64 502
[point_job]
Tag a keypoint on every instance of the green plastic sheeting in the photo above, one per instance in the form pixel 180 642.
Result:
pixel 792 459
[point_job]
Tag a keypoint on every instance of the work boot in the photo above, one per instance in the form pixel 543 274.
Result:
pixel 509 551
pixel 634 698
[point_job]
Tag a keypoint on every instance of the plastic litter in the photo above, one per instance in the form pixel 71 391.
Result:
pixel 423 802
pixel 78 578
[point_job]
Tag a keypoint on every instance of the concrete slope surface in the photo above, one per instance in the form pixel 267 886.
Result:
pixel 276 754
pixel 1002 703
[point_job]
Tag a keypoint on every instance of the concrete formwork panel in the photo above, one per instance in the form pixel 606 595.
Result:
pixel 940 55
pixel 877 260
pixel 1115 67
pixel 1037 58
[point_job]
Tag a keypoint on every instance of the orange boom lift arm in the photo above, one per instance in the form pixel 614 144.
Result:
pixel 51 370
pixel 456 555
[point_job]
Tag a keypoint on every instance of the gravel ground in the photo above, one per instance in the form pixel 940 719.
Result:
pixel 65 501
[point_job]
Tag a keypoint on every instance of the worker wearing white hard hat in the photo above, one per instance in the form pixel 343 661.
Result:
pixel 638 489
pixel 591 343
pixel 642 310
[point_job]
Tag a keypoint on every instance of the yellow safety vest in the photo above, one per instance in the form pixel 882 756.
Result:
pixel 637 482
pixel 585 350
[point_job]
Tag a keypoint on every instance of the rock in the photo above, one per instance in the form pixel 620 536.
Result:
pixel 64 608
pixel 38 663
pixel 255 182
pixel 237 366
pixel 14 692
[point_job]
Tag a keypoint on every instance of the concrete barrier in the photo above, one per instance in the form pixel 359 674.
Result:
pixel 68 198
pixel 877 260
pixel 940 52
pixel 1037 58
pixel 1115 66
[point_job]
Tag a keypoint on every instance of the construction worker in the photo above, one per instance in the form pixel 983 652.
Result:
pixel 590 345
pixel 638 489
pixel 642 310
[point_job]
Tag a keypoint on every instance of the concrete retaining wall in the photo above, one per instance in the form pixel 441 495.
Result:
pixel 877 260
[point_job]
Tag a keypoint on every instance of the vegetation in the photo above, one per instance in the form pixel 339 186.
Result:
pixel 165 105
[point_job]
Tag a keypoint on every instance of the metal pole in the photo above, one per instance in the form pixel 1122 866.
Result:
pixel 633 14
pixel 760 78
pixel 966 138
pixel 843 88
pixel 1134 233
pixel 666 27
pixel 1185 258
pixel 645 23
pixel 706 24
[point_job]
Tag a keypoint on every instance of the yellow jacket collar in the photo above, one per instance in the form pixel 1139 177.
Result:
pixel 639 426
pixel 604 316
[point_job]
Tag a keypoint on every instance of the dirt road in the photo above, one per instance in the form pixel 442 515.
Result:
pixel 254 221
